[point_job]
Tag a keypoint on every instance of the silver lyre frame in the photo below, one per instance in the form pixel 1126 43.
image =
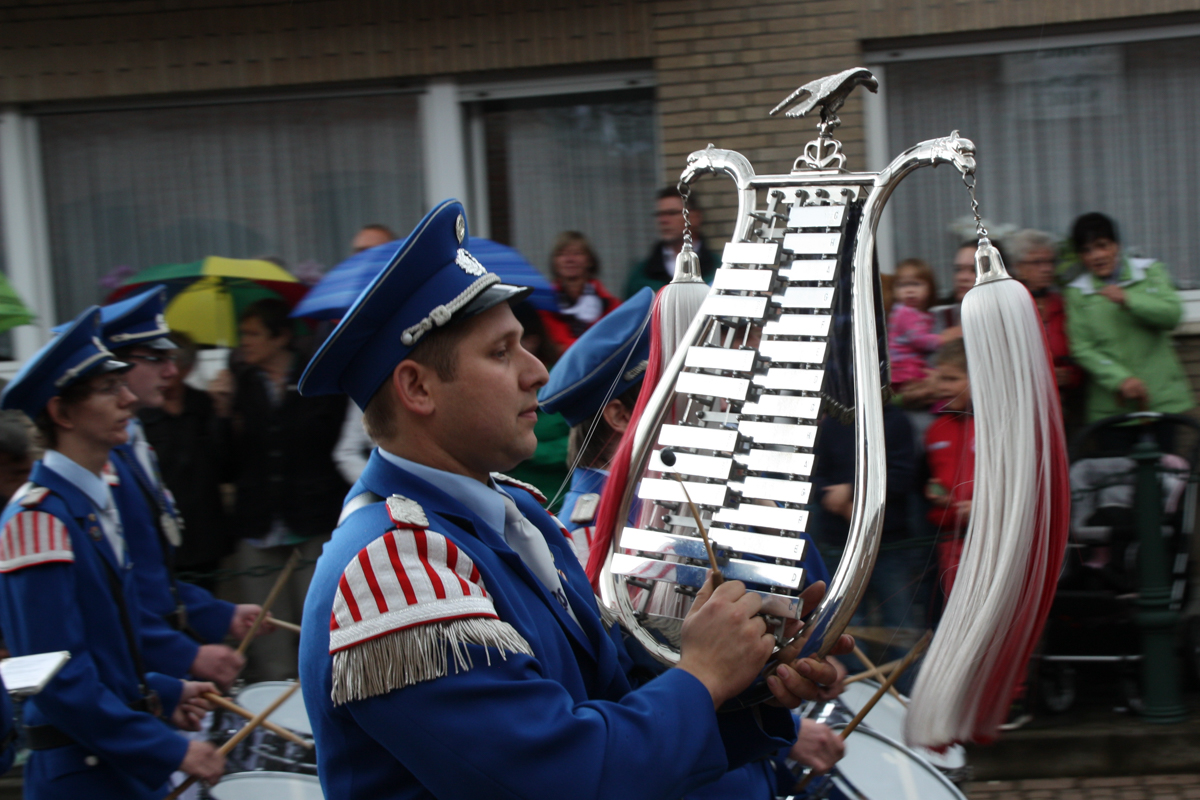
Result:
pixel 827 621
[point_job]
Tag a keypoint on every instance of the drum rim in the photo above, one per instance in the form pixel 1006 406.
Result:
pixel 925 753
pixel 261 773
pixel 915 756
pixel 291 701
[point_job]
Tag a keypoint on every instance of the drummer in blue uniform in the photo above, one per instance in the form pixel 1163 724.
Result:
pixel 99 728
pixel 595 386
pixel 135 330
pixel 451 644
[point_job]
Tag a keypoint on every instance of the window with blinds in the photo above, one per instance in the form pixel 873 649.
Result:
pixel 290 179
pixel 1061 132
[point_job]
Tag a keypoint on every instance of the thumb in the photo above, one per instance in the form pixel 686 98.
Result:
pixel 705 592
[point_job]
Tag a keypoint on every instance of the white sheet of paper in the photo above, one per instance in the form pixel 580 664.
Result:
pixel 25 675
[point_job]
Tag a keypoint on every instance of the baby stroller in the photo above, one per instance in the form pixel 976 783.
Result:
pixel 1093 618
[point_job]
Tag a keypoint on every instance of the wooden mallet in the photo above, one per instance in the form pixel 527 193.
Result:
pixel 266 606
pixel 229 705
pixel 905 663
pixel 236 739
pixel 667 456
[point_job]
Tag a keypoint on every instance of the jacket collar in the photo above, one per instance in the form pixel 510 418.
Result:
pixel 383 478
pixel 78 506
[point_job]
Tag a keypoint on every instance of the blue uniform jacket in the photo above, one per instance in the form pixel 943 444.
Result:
pixel 65 603
pixel 514 726
pixel 167 650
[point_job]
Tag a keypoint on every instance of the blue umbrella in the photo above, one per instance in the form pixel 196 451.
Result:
pixel 340 287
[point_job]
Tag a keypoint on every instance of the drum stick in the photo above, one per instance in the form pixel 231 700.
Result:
pixel 876 672
pixel 668 459
pixel 905 663
pixel 237 737
pixel 231 706
pixel 871 667
pixel 266 606
pixel 287 626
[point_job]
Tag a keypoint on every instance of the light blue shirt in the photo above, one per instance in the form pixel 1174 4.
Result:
pixel 97 491
pixel 491 504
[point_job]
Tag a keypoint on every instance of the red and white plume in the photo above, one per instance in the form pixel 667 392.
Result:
pixel 1019 519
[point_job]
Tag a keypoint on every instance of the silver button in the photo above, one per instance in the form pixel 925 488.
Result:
pixel 91 761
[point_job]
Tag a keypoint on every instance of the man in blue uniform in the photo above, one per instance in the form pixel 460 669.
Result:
pixel 595 386
pixel 451 645
pixel 136 331
pixel 99 729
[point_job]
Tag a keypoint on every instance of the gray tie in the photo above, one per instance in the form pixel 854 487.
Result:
pixel 524 537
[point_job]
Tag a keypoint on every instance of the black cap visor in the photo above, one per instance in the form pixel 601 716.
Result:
pixel 494 295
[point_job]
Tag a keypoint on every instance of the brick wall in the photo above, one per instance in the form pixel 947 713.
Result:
pixel 61 51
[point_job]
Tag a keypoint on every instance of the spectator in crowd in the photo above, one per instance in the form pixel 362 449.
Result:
pixel 548 468
pixel 370 236
pixel 1035 255
pixel 892 594
pixel 947 312
pixel 192 443
pixel 1120 314
pixel 16 459
pixel 289 492
pixel 658 267
pixel 911 339
pixel 582 299
pixel 950 457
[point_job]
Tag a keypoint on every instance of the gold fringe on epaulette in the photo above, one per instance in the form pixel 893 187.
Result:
pixel 416 654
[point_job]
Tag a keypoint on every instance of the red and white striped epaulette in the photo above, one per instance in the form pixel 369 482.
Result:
pixel 109 473
pixel 410 599
pixel 34 537
pixel 529 487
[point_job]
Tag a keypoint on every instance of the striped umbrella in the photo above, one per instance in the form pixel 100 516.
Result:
pixel 205 298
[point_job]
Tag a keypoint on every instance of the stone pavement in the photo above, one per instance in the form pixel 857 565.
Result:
pixel 1144 787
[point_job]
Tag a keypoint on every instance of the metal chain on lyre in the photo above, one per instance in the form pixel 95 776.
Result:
pixel 968 180
pixel 685 192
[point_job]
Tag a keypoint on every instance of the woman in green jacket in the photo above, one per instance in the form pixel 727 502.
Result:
pixel 1120 314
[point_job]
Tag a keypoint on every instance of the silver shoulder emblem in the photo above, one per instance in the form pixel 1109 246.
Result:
pixel 406 513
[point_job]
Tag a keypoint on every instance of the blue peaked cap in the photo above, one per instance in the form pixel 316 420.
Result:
pixel 431 280
pixel 76 353
pixel 604 363
pixel 138 320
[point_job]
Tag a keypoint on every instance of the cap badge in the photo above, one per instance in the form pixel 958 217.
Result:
pixel 469 263
pixel 460 228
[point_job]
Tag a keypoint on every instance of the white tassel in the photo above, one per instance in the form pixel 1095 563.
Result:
pixel 1015 539
pixel 420 653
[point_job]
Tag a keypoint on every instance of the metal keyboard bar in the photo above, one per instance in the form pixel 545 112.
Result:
pixel 696 438
pixel 773 575
pixel 751 253
pixel 798 325
pixel 793 352
pixel 663 543
pixel 799 380
pixel 692 464
pixel 777 461
pixel 751 515
pixel 817 244
pixel 784 491
pixel 668 490
pixel 805 297
pixel 732 305
pixel 810 270
pixel 721 417
pixel 712 385
pixel 816 216
pixel 743 280
pixel 779 433
pixel 778 405
pixel 720 358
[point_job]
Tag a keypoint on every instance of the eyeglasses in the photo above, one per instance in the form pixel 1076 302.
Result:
pixel 156 360
pixel 111 387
